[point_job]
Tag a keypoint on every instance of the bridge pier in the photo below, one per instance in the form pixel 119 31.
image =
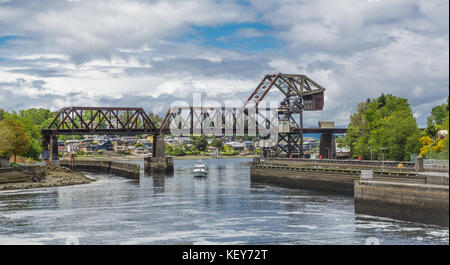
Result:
pixel 50 144
pixel 327 146
pixel 158 162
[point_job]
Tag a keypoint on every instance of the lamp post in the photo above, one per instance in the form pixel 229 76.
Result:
pixel 382 161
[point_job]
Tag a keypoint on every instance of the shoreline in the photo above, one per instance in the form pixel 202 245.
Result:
pixel 56 176
pixel 133 158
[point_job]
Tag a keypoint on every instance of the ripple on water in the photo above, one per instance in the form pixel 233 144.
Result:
pixel 224 208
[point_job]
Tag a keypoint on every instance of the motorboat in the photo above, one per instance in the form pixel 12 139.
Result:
pixel 200 169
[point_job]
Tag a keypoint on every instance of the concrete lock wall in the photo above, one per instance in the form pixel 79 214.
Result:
pixel 426 203
pixel 109 167
pixel 305 179
pixel 323 179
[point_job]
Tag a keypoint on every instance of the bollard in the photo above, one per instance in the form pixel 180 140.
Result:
pixel 419 163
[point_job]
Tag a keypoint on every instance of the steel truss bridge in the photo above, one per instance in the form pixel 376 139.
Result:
pixel 283 125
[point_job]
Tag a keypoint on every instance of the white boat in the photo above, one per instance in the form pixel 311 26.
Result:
pixel 200 169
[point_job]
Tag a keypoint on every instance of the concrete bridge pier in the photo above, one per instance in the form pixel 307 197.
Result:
pixel 327 146
pixel 158 162
pixel 50 144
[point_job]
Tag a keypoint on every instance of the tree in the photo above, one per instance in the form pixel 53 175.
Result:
pixel 155 118
pixel 2 114
pixel 32 129
pixel 384 122
pixel 201 143
pixel 357 135
pixel 436 118
pixel 13 139
pixel 217 143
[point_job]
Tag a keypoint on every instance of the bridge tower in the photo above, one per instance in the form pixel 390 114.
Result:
pixel 300 94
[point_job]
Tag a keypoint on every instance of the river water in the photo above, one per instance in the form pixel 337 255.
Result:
pixel 224 208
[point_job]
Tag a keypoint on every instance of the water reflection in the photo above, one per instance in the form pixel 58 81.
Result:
pixel 159 181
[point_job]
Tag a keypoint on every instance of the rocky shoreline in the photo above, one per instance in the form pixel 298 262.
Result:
pixel 54 176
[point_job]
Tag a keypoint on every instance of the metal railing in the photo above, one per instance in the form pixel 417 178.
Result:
pixel 435 164
pixel 349 161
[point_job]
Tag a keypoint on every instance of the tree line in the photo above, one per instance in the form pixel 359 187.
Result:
pixel 381 126
pixel 385 126
pixel 20 132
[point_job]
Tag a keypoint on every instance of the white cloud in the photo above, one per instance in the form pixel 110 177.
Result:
pixel 92 29
pixel 129 52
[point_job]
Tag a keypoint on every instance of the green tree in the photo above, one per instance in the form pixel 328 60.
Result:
pixel 217 143
pixel 32 129
pixel 446 141
pixel 201 143
pixel 357 135
pixel 155 118
pixel 2 114
pixel 13 139
pixel 436 118
pixel 384 122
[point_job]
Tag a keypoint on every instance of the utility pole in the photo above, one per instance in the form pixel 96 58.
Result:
pixel 382 162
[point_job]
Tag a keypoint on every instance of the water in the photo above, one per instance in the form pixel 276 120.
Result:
pixel 224 208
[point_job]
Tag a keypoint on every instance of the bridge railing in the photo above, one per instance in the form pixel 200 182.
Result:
pixel 348 162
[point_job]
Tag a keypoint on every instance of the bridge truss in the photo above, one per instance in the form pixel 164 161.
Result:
pixel 220 121
pixel 97 120
pixel 300 94
pixel 282 124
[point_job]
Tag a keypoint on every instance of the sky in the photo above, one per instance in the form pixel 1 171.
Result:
pixel 150 54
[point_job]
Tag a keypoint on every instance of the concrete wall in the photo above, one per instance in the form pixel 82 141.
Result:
pixel 4 161
pixel 342 184
pixel 425 203
pixel 321 179
pixel 12 175
pixel 120 169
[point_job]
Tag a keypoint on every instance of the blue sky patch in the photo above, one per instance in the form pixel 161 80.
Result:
pixel 251 37
pixel 4 39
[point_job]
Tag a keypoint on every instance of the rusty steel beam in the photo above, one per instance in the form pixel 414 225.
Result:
pixel 81 120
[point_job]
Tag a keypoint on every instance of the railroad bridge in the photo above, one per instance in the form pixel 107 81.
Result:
pixel 281 127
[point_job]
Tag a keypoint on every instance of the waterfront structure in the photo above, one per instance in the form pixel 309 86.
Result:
pixel 300 94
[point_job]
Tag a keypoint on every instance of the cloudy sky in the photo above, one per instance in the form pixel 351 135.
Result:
pixel 58 53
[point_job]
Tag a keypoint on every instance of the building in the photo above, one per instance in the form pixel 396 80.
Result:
pixel 326 124
pixel 120 148
pixel 72 148
pixel 106 145
pixel 235 145
pixel 310 143
pixel 342 152
pixel 249 145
